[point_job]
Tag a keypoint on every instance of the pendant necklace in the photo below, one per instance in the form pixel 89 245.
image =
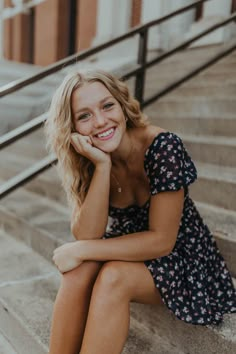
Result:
pixel 119 189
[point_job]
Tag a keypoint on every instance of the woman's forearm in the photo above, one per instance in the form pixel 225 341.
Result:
pixel 90 220
pixel 133 247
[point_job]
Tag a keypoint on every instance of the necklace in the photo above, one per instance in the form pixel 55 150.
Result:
pixel 119 189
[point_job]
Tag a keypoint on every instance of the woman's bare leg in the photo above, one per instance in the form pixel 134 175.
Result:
pixel 117 284
pixel 71 308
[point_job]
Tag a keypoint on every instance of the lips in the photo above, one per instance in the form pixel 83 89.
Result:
pixel 106 134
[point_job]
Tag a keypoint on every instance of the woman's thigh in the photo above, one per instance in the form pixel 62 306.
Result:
pixel 82 276
pixel 133 278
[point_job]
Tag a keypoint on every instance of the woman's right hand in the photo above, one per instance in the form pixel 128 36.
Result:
pixel 83 145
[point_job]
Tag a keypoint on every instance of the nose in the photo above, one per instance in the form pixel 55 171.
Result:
pixel 99 120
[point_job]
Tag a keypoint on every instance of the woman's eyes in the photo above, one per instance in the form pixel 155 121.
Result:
pixel 87 115
pixel 108 105
pixel 84 116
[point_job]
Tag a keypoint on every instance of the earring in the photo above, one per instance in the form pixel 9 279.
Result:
pixel 126 119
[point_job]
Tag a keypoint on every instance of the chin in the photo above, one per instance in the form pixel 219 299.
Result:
pixel 108 146
pixel 108 149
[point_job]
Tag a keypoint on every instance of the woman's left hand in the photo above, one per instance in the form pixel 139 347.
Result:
pixel 67 257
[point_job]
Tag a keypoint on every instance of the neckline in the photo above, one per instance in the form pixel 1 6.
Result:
pixel 131 206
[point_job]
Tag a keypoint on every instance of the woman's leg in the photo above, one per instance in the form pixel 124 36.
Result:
pixel 71 308
pixel 117 284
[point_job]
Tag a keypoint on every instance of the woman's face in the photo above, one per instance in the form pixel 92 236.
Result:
pixel 97 114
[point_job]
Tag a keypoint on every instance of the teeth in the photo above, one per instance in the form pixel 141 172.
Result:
pixel 108 132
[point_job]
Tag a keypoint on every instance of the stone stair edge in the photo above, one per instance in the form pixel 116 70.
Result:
pixel 141 319
pixel 216 172
pixel 209 139
pixel 13 328
pixel 5 346
pixel 44 242
pixel 152 110
pixel 174 98
pixel 192 339
pixel 40 241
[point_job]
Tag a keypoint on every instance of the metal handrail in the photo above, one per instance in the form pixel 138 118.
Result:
pixel 139 69
pixel 174 84
pixel 26 175
pixel 72 59
pixel 38 121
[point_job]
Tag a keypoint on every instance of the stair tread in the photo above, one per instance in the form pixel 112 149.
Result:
pixel 28 293
pixel 28 289
pixel 219 220
pixel 223 140
pixel 216 172
pixel 220 339
pixel 5 346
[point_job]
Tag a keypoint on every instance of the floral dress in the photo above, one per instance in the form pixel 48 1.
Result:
pixel 193 279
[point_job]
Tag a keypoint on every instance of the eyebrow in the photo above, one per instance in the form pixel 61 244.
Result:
pixel 87 108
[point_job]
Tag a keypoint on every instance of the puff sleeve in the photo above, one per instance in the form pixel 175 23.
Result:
pixel 168 165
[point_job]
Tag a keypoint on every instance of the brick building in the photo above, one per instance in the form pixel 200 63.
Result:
pixel 49 30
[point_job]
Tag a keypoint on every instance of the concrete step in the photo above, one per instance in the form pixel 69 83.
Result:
pixel 11 70
pixel 43 224
pixel 26 290
pixel 222 224
pixel 24 104
pixel 197 126
pixel 215 186
pixel 15 111
pixel 219 77
pixel 47 183
pixel 203 90
pixel 32 146
pixel 23 154
pixel 219 150
pixel 5 346
pixel 195 107
pixel 188 338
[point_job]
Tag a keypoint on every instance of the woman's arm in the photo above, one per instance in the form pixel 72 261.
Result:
pixel 164 220
pixel 90 220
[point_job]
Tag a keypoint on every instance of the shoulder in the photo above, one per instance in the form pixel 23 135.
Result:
pixel 146 136
pixel 163 141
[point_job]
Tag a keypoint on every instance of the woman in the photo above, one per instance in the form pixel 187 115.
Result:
pixel 156 249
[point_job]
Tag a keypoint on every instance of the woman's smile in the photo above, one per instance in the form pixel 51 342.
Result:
pixel 106 134
pixel 99 115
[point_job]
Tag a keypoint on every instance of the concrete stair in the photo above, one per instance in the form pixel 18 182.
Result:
pixel 35 218
pixel 29 284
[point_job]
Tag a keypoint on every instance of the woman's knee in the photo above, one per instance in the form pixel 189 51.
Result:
pixel 111 279
pixel 81 277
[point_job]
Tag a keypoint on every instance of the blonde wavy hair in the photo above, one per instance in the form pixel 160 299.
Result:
pixel 75 170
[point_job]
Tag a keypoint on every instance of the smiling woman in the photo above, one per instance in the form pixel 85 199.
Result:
pixel 113 162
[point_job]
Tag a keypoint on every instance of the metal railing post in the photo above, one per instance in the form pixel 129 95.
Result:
pixel 142 57
pixel 1 30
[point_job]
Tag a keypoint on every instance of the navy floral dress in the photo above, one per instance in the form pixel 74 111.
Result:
pixel 193 279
